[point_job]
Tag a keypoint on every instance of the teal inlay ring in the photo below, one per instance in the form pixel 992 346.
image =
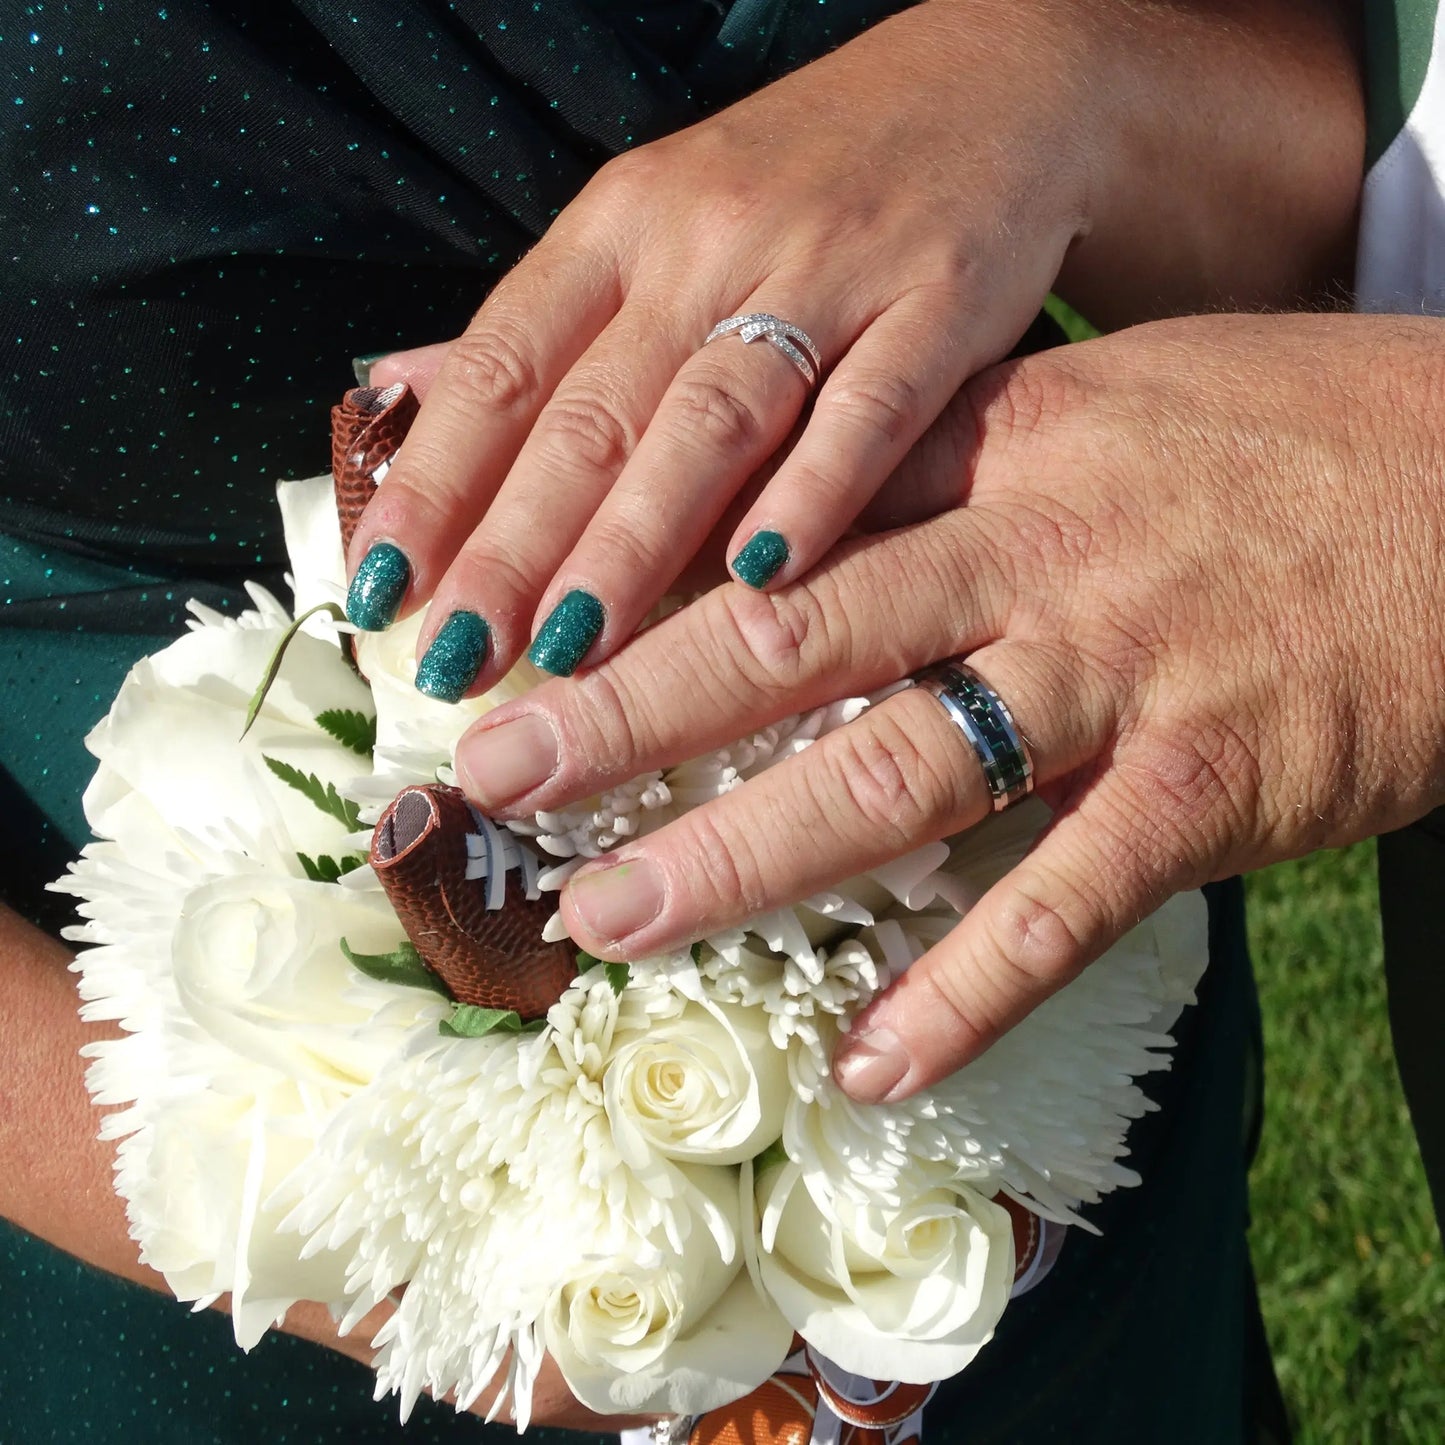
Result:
pixel 985 721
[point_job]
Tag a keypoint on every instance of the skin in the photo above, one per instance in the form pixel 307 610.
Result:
pixel 1200 559
pixel 1043 143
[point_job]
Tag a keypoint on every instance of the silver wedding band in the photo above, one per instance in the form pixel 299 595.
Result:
pixel 792 341
pixel 984 719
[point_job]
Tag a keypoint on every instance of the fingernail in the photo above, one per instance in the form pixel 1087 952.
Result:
pixel 361 366
pixel 759 562
pixel 507 761
pixel 451 664
pixel 869 1064
pixel 563 639
pixel 615 902
pixel 378 587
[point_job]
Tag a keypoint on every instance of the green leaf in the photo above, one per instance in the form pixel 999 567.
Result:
pixel 470 1021
pixel 274 665
pixel 617 975
pixel 586 960
pixel 324 795
pixel 402 965
pixel 773 1154
pixel 350 727
pixel 325 869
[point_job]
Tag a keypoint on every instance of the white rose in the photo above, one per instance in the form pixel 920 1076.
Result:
pixel 908 1291
pixel 657 1330
pixel 706 1085
pixel 172 761
pixel 258 966
pixel 199 1207
pixel 313 541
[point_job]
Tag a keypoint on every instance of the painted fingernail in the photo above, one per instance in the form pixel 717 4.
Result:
pixel 615 902
pixel 759 562
pixel 507 761
pixel 361 366
pixel 870 1064
pixel 376 591
pixel 563 639
pixel 451 664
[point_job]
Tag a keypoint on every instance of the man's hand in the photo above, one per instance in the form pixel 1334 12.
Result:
pixel 1200 561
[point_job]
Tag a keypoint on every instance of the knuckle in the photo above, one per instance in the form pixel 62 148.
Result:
pixel 888 406
pixel 1052 534
pixel 606 718
pixel 724 874
pixel 778 639
pixel 505 573
pixel 883 779
pixel 577 429
pixel 626 542
pixel 1193 788
pixel 1033 940
pixel 493 371
pixel 977 1007
pixel 708 411
pixel 1019 399
pixel 627 179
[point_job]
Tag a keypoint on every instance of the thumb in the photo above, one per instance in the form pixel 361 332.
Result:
pixel 417 367
pixel 1088 880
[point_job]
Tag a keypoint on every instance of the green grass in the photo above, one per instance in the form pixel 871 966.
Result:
pixel 1344 1240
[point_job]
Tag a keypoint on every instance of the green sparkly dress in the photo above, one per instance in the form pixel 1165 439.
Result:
pixel 208 208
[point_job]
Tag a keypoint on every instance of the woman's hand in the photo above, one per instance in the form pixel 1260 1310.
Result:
pixel 908 201
pixel 1199 560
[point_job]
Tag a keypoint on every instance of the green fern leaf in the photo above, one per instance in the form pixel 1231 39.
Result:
pixel 350 727
pixel 324 795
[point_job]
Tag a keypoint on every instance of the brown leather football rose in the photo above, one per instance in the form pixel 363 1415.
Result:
pixel 465 892
pixel 368 426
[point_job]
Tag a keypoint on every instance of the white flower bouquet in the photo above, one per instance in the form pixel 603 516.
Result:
pixel 657 1182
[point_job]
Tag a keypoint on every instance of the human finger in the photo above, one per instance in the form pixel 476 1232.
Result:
pixel 487 393
pixel 879 400
pixel 563 473
pixel 900 776
pixel 727 410
pixel 1102 865
pixel 737 660
pixel 417 367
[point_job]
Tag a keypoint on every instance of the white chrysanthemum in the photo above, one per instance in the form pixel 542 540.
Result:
pixel 1044 1112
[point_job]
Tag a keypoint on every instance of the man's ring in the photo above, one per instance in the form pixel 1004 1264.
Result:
pixel 792 341
pixel 982 716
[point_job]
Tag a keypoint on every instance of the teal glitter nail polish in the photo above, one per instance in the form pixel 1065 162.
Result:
pixel 378 587
pixel 361 366
pixel 563 639
pixel 451 664
pixel 758 563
